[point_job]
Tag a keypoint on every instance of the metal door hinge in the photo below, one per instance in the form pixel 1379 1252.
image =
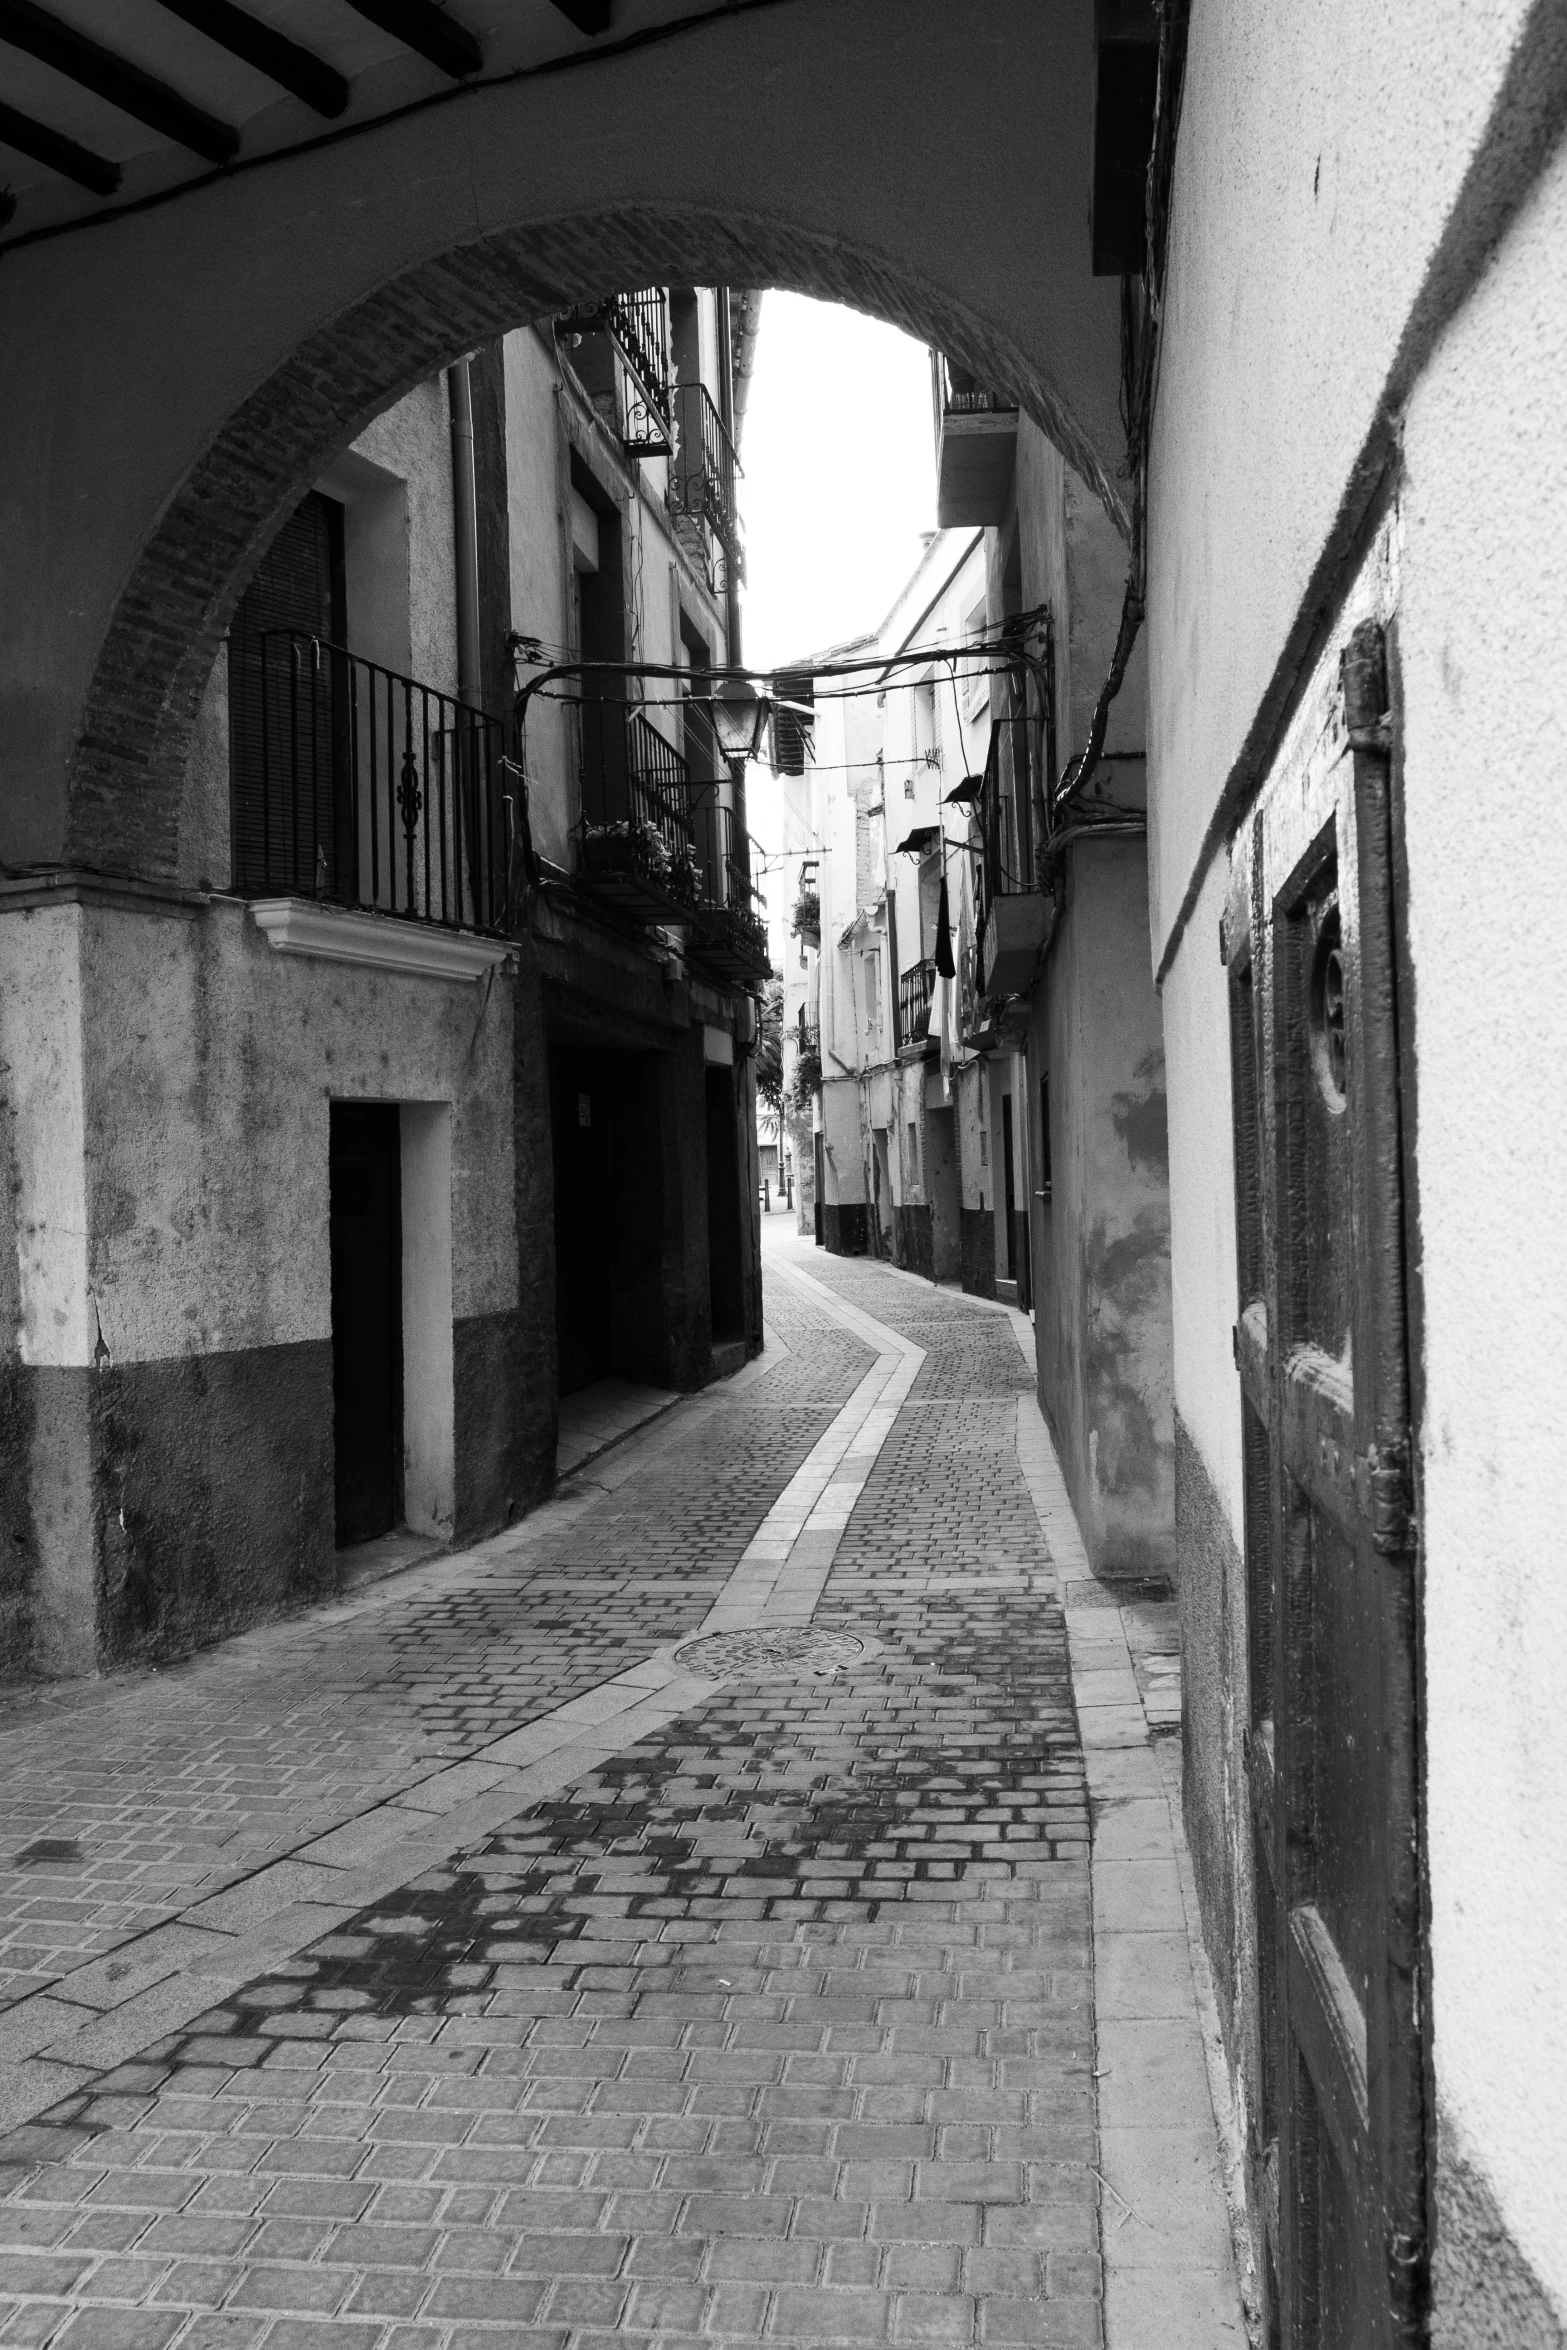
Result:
pixel 1384 1495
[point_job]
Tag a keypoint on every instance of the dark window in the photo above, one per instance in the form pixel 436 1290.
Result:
pixel 288 709
pixel 601 635
pixel 1046 1179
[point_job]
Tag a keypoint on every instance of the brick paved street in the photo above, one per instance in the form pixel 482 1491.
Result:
pixel 776 2020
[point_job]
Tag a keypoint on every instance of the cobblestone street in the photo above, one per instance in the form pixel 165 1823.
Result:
pixel 742 1902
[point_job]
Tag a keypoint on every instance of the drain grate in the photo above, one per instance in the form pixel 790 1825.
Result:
pixel 746 1656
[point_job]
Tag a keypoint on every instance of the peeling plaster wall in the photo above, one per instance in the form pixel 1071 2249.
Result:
pixel 1101 1253
pixel 167 1112
pixel 207 1118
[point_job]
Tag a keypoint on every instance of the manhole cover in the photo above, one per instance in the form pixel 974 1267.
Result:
pixel 742 1656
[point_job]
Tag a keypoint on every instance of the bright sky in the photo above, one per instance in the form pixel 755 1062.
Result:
pixel 839 484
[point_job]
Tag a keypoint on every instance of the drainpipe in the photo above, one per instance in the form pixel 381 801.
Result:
pixel 465 532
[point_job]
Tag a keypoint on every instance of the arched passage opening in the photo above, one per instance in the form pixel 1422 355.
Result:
pixel 212 346
pixel 125 772
pixel 219 352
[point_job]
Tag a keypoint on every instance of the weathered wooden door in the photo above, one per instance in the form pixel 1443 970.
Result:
pixel 1322 1349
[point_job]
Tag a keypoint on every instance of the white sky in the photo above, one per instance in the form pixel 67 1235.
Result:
pixel 840 481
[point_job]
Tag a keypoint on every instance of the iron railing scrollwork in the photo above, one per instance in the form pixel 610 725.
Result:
pixel 356 785
pixel 703 500
pixel 634 840
pixel 638 325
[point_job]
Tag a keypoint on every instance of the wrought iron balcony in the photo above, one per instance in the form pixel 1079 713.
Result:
pixel 704 472
pixel 634 841
pixel 355 785
pixel 1015 915
pixel 730 931
pixel 916 994
pixel 638 325
pixel 976 441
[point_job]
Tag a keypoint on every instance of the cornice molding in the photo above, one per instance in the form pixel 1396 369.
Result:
pixel 376 942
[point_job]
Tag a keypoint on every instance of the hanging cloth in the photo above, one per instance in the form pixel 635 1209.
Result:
pixel 944 963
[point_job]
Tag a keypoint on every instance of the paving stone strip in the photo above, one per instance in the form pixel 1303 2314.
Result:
pixel 740 2011
pixel 126 1804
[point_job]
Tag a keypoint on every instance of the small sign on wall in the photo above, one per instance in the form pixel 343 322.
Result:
pixel 584 1109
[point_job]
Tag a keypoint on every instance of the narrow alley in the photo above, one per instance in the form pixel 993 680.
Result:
pixel 743 1901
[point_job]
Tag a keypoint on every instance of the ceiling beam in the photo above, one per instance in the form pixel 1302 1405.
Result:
pixel 428 31
pixel 283 61
pixel 58 153
pixel 589 16
pixel 29 27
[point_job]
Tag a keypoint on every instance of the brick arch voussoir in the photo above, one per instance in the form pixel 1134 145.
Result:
pixel 127 774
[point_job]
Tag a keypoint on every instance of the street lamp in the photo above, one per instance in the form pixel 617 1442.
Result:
pixel 739 719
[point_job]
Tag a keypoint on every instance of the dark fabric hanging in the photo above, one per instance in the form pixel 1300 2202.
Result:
pixel 944 963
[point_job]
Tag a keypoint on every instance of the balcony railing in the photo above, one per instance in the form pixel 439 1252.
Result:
pixel 916 994
pixel 958 393
pixel 638 325
pixel 976 439
pixel 1004 811
pixel 355 785
pixel 703 476
pixel 634 842
pixel 730 931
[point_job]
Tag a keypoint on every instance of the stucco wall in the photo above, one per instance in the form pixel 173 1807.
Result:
pixel 1485 695
pixel 1472 576
pixel 213 1060
pixel 171 1393
pixel 1321 153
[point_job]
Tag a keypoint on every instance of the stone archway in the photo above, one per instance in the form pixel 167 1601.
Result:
pixel 126 771
pixel 211 353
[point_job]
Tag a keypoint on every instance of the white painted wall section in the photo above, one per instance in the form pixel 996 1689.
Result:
pixel 429 1395
pixel 1485 689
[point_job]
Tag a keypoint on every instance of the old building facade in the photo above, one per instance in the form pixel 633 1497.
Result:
pixel 1000 1123
pixel 1342 510
pixel 424 1098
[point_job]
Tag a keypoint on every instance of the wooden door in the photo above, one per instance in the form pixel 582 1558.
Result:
pixel 1322 1351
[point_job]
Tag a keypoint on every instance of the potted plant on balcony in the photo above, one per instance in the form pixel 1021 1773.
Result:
pixel 806 920
pixel 806 1077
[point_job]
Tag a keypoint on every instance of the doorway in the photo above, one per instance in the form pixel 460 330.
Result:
pixel 1336 2153
pixel 881 1193
pixel 944 1189
pixel 1009 1190
pixel 365 1226
pixel 582 1116
pixel 725 1289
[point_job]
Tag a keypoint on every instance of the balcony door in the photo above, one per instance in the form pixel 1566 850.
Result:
pixel 1322 1350
pixel 288 711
